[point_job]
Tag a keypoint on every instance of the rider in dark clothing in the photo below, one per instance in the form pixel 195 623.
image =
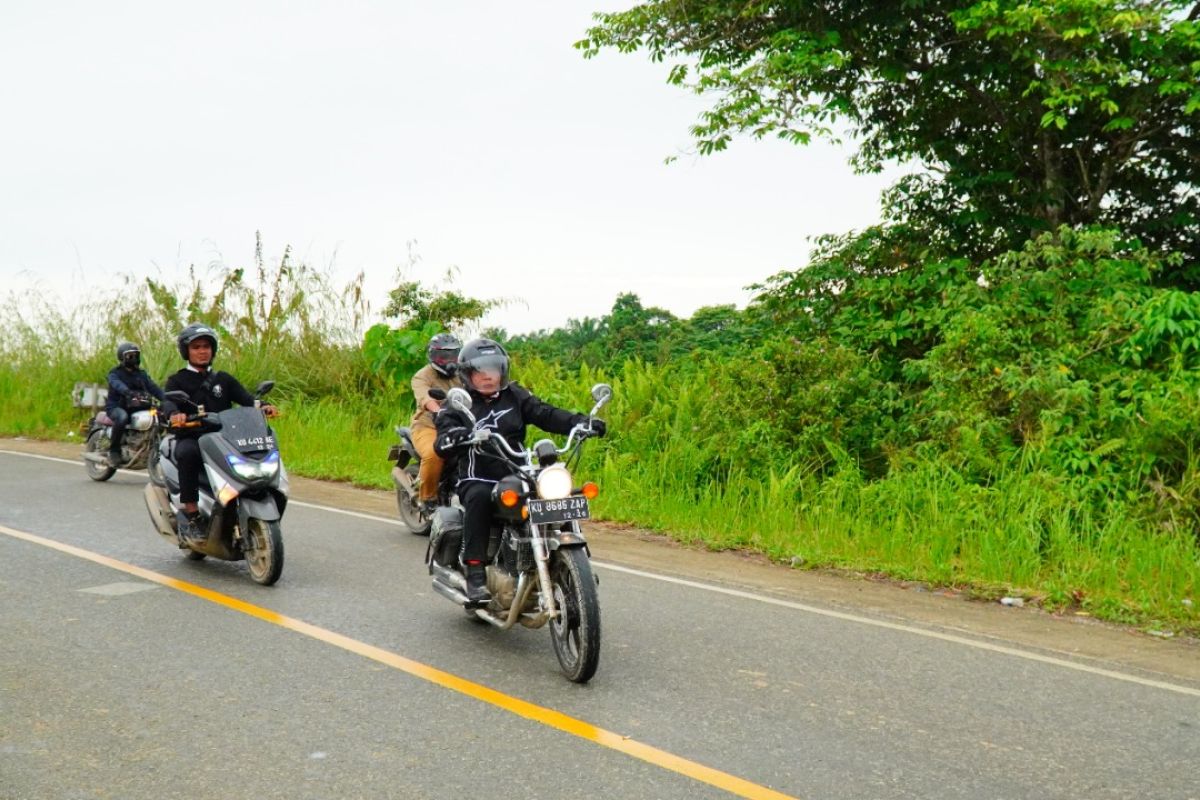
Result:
pixel 504 409
pixel 216 391
pixel 129 389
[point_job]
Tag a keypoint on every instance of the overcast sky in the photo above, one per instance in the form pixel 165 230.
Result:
pixel 141 137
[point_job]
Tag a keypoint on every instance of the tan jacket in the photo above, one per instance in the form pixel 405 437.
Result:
pixel 427 378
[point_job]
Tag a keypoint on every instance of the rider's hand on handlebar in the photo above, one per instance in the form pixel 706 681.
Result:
pixel 177 419
pixel 270 410
pixel 597 427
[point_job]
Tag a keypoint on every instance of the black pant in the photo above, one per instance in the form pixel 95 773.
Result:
pixel 189 462
pixel 120 421
pixel 476 498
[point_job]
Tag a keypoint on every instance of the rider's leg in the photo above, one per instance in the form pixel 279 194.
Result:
pixel 431 465
pixel 120 420
pixel 476 499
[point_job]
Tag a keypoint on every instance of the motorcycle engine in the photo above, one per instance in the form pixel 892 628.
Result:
pixel 503 586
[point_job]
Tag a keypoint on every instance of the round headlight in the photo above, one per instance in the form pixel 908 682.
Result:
pixel 554 483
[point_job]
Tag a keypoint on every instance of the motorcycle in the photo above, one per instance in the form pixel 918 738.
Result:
pixel 406 477
pixel 538 568
pixel 139 445
pixel 243 488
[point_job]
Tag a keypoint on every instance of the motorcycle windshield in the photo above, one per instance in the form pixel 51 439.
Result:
pixel 246 429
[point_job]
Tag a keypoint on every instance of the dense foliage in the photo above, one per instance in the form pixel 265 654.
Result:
pixel 1019 116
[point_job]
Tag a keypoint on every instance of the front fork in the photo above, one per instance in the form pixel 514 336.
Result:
pixel 541 558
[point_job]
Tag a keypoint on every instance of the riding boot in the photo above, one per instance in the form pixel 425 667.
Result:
pixel 477 592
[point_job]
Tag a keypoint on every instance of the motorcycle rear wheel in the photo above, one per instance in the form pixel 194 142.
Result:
pixel 264 550
pixel 96 470
pixel 409 507
pixel 575 633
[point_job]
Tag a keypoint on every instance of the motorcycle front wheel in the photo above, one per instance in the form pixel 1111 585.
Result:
pixel 97 470
pixel 264 550
pixel 575 633
pixel 409 506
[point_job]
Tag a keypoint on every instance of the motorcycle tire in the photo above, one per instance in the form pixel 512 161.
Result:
pixel 97 471
pixel 410 507
pixel 575 633
pixel 265 557
pixel 153 468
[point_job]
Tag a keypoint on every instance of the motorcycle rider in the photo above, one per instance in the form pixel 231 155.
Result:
pixel 504 408
pixel 442 354
pixel 129 389
pixel 216 391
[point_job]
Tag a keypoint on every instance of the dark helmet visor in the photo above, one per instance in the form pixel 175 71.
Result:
pixel 492 364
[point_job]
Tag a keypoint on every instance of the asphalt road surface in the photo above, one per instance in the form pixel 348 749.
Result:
pixel 129 672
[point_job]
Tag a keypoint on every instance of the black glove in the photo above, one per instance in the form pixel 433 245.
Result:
pixel 597 425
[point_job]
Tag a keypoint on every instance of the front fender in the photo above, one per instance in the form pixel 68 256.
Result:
pixel 264 508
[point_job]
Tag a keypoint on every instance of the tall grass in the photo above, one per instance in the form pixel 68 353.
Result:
pixel 677 459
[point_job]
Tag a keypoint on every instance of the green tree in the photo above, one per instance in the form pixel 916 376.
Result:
pixel 1021 115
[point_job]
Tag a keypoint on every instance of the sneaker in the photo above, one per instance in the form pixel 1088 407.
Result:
pixel 477 593
pixel 189 527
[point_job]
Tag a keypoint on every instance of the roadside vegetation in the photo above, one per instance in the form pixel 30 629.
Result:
pixel 997 388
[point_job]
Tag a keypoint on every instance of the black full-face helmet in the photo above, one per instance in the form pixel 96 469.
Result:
pixel 129 355
pixel 443 352
pixel 193 332
pixel 482 355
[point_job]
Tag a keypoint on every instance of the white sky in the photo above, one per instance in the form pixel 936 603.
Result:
pixel 141 137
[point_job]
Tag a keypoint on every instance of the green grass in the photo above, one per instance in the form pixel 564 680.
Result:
pixel 674 462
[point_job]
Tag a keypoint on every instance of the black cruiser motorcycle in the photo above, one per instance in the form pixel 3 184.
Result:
pixel 539 571
pixel 243 489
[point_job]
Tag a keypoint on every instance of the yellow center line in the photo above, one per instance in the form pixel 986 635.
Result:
pixel 540 714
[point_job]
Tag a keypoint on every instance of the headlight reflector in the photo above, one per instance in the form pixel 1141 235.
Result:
pixel 249 470
pixel 554 483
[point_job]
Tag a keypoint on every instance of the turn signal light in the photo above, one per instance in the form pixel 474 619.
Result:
pixel 509 498
pixel 590 490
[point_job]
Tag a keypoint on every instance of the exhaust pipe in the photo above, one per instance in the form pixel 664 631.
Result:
pixel 160 511
pixel 403 480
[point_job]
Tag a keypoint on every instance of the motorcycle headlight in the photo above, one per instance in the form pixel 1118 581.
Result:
pixel 249 470
pixel 554 483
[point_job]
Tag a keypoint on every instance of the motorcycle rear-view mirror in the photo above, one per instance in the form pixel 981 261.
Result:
pixel 438 394
pixel 178 396
pixel 460 400
pixel 263 388
pixel 601 393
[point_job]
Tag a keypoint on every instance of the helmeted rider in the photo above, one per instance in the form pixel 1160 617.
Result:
pixel 216 391
pixel 505 409
pixel 129 389
pixel 442 354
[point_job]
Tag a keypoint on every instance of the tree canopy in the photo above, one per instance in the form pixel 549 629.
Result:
pixel 1020 116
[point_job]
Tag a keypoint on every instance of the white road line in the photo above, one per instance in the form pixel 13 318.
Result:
pixel 824 612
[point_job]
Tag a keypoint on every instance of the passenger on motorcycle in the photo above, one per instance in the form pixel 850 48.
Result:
pixel 505 409
pixel 216 391
pixel 442 353
pixel 129 389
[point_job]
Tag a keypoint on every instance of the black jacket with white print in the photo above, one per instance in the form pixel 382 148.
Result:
pixel 507 414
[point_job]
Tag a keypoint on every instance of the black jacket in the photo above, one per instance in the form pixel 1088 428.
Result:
pixel 123 384
pixel 216 391
pixel 508 415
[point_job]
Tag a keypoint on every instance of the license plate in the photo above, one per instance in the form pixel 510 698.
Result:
pixel 542 512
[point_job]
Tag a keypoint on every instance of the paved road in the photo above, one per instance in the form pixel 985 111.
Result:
pixel 352 679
